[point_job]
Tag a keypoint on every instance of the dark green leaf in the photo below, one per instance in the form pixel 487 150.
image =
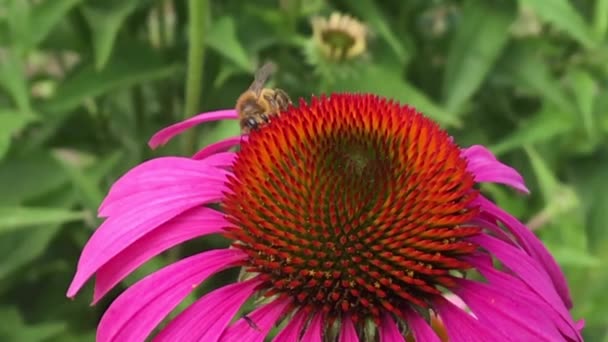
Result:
pixel 585 91
pixel 46 15
pixel 105 19
pixel 13 80
pixel 387 82
pixel 127 69
pixel 479 41
pixel 16 218
pixel 564 16
pixel 543 126
pixel 11 122
pixel 222 38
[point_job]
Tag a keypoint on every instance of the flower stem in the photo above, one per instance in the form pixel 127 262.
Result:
pixel 197 10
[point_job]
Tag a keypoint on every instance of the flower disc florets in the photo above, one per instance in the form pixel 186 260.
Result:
pixel 352 205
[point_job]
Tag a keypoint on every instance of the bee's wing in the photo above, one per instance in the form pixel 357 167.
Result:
pixel 261 76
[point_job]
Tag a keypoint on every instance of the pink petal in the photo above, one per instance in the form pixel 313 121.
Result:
pixel 262 318
pixel 159 173
pixel 314 333
pixel 135 313
pixel 389 332
pixel 348 333
pixel 221 159
pixel 138 219
pixel 531 244
pixel 517 287
pixel 462 327
pixel 292 331
pixel 526 268
pixel 508 312
pixel 421 330
pixel 206 319
pixel 164 135
pixel 486 168
pixel 193 223
pixel 220 146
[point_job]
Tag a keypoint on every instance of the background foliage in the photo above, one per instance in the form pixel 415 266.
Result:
pixel 85 83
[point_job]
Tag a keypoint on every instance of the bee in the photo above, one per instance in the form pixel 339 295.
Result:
pixel 257 105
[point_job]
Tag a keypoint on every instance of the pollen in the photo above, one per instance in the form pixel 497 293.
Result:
pixel 354 205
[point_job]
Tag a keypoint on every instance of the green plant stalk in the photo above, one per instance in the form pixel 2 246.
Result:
pixel 600 20
pixel 197 10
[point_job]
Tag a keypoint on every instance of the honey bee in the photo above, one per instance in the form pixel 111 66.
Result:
pixel 258 105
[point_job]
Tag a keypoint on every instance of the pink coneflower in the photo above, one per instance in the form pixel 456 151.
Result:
pixel 355 218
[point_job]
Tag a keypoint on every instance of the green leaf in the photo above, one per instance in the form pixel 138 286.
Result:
pixel 530 71
pixel 543 126
pixel 126 69
pixel 564 16
pixel 369 11
pixel 600 22
pixel 385 81
pixel 571 257
pixel 86 184
pixel 105 19
pixel 25 178
pixel 13 327
pixel 15 218
pixel 13 80
pixel 479 41
pixel 11 122
pixel 585 91
pixel 223 39
pixel 46 15
pixel 19 23
pixel 547 181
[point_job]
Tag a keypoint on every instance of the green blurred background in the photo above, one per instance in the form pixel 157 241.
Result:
pixel 85 83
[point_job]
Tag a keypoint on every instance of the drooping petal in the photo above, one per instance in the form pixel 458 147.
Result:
pixel 461 326
pixel 293 330
pixel 347 330
pixel 531 244
pixel 526 269
pixel 486 168
pixel 314 332
pixel 193 223
pixel 516 287
pixel 135 313
pixel 208 317
pixel 158 174
pixel 388 330
pixel 164 135
pixel 507 312
pixel 259 323
pixel 421 330
pixel 121 231
pixel 220 146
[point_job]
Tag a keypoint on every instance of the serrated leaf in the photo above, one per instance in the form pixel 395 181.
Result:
pixel 126 69
pixel 543 126
pixel 223 39
pixel 368 10
pixel 46 15
pixel 11 122
pixel 105 19
pixel 386 81
pixel 479 41
pixel 564 16
pixel 16 218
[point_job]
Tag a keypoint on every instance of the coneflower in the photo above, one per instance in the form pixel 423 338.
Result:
pixel 355 218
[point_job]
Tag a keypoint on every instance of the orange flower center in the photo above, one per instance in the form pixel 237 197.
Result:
pixel 352 205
